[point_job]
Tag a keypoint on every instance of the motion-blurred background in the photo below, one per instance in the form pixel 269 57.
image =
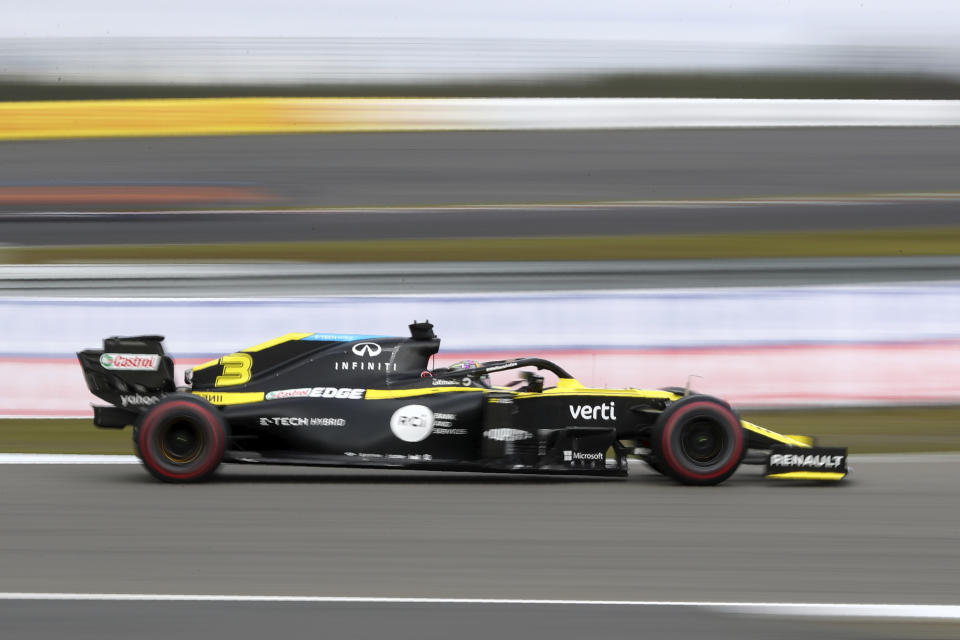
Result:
pixel 378 43
pixel 758 195
pixel 759 199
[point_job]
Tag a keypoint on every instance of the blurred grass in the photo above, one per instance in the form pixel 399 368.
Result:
pixel 863 430
pixel 869 430
pixel 635 85
pixel 883 242
pixel 57 435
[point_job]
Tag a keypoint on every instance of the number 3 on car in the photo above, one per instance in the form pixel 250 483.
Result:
pixel 236 369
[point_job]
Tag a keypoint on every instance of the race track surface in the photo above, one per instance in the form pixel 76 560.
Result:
pixel 234 621
pixel 887 535
pixel 31 229
pixel 386 169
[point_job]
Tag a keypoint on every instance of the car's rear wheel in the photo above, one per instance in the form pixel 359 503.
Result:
pixel 181 439
pixel 698 440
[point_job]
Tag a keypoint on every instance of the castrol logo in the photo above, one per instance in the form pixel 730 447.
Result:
pixel 130 361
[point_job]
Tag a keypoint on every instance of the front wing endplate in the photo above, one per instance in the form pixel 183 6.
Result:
pixel 807 463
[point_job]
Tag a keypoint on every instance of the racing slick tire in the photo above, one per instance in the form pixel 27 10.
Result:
pixel 698 440
pixel 181 439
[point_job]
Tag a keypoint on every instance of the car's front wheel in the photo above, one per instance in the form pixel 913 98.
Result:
pixel 698 440
pixel 181 439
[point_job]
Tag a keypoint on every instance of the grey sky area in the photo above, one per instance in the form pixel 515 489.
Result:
pixel 210 41
pixel 876 22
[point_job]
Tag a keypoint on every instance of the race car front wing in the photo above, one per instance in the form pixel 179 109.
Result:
pixel 807 463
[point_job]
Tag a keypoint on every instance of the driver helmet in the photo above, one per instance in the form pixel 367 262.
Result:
pixel 466 366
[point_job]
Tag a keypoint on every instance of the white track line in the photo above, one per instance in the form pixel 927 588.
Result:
pixel 898 611
pixel 862 611
pixel 59 458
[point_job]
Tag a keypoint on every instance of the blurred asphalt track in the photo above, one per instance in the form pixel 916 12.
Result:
pixel 240 620
pixel 31 229
pixel 888 535
pixel 423 169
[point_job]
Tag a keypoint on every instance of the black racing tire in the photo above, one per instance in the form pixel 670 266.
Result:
pixel 699 440
pixel 181 439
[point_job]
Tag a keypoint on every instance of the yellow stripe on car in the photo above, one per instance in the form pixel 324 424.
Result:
pixel 391 394
pixel 224 398
pixel 773 435
pixel 808 475
pixel 609 393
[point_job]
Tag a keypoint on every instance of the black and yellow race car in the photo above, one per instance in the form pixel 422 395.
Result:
pixel 373 401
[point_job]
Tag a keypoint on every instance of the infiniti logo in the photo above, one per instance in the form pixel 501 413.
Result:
pixel 369 349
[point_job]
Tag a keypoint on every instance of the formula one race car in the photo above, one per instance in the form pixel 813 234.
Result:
pixel 371 401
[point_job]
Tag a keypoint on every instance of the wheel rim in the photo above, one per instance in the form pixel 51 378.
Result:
pixel 703 441
pixel 181 441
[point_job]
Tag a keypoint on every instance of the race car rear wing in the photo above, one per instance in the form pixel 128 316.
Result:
pixel 130 373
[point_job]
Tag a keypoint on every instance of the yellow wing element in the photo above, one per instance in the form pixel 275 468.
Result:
pixel 794 441
pixel 808 475
pixel 224 398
